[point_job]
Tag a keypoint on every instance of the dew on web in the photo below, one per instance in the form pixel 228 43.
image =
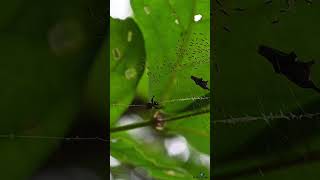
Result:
pixel 195 53
pixel 270 117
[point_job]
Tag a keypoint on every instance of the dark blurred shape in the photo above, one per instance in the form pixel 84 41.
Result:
pixel 288 65
pixel 203 84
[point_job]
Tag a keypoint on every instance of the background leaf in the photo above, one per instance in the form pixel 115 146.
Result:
pixel 47 49
pixel 246 85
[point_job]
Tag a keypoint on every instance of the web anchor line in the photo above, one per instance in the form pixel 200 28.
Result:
pixel 164 102
pixel 246 119
pixel 76 138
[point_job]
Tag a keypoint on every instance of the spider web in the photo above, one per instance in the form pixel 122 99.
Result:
pixel 197 54
pixel 51 138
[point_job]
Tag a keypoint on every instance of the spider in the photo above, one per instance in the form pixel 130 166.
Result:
pixel 153 104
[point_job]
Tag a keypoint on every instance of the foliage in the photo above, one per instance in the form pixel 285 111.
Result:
pixel 47 51
pixel 167 46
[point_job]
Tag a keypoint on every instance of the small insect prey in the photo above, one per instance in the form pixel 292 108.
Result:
pixel 203 84
pixel 153 104
pixel 288 65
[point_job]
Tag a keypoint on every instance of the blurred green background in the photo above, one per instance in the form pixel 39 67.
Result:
pixel 53 83
pixel 246 85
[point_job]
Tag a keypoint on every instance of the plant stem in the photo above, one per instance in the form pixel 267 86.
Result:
pixel 130 126
pixel 150 122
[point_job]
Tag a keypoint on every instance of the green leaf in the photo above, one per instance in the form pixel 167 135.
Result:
pixel 177 48
pixel 154 160
pixel 194 128
pixel 127 58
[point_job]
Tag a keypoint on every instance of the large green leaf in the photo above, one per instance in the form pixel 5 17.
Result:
pixel 127 57
pixel 246 84
pixel 177 47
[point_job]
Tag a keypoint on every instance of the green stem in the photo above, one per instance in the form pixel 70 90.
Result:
pixel 130 126
pixel 150 122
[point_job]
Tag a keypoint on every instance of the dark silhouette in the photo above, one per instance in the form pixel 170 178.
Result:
pixel 288 65
pixel 200 82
